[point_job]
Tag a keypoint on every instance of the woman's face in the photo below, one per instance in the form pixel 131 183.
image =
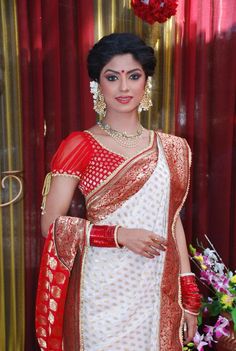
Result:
pixel 122 82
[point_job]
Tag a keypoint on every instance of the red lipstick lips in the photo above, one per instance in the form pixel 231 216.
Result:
pixel 124 99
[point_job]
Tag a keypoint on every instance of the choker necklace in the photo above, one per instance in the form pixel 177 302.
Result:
pixel 123 138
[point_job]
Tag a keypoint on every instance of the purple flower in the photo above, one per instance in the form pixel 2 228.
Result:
pixel 199 341
pixel 221 327
pixel 209 337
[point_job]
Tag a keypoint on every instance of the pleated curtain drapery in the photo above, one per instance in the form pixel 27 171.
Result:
pixel 54 38
pixel 194 97
pixel 205 100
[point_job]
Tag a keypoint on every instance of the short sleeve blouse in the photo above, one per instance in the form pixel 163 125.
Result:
pixel 72 156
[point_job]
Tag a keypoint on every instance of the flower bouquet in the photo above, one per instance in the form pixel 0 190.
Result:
pixel 152 11
pixel 222 304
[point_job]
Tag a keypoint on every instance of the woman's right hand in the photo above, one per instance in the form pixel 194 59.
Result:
pixel 141 241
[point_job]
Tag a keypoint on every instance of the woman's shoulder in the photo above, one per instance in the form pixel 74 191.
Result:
pixel 76 137
pixel 168 137
pixel 171 139
pixel 73 152
pixel 175 145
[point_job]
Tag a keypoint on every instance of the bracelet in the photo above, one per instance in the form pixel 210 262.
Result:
pixel 191 299
pixel 102 235
pixel 187 274
pixel 190 312
pixel 115 237
pixel 89 228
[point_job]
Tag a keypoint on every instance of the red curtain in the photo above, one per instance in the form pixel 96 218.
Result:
pixel 54 38
pixel 205 85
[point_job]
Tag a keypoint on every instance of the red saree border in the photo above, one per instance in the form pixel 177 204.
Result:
pixel 65 242
pixel 179 160
pixel 126 182
pixel 126 163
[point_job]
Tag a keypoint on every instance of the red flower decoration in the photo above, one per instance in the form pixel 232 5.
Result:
pixel 152 11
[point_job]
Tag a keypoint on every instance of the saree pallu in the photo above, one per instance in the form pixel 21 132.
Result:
pixel 113 299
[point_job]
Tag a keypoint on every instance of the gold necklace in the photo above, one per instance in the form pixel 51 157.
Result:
pixel 123 138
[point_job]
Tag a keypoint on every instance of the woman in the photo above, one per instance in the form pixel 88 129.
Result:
pixel 119 279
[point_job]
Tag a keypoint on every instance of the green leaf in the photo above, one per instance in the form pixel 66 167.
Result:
pixel 233 314
pixel 199 319
pixel 214 308
pixel 192 249
pixel 190 344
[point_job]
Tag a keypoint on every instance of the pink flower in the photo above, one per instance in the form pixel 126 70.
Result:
pixel 199 341
pixel 209 330
pixel 221 327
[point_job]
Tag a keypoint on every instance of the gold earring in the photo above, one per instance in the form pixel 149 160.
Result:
pixel 99 104
pixel 146 101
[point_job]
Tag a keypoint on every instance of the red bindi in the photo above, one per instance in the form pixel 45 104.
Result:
pixel 122 71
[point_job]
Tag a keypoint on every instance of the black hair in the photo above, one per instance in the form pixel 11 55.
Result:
pixel 118 44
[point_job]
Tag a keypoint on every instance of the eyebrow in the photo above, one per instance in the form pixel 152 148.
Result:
pixel 132 70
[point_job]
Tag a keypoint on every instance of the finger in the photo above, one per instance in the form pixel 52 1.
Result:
pixel 147 254
pixel 160 240
pixel 191 331
pixel 152 251
pixel 158 245
pixel 185 330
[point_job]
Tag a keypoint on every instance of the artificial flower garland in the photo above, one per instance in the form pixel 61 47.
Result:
pixel 152 11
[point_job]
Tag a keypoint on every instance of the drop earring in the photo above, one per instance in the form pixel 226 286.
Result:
pixel 99 104
pixel 146 101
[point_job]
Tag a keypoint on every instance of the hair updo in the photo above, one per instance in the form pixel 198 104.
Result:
pixel 118 44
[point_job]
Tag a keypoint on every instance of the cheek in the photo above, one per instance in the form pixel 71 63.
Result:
pixel 107 89
pixel 139 91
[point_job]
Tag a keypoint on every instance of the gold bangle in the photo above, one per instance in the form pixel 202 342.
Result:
pixel 115 237
pixel 193 313
pixel 88 231
pixel 189 274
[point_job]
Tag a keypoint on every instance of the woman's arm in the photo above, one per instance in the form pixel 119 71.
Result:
pixel 182 247
pixel 58 200
pixel 57 204
pixel 190 320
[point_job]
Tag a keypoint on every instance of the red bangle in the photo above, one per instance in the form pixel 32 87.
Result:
pixel 103 236
pixel 191 299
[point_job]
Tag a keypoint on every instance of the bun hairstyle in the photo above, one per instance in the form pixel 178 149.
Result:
pixel 118 44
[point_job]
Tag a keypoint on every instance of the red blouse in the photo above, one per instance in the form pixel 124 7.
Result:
pixel 82 156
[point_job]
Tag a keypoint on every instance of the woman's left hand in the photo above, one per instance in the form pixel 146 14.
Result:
pixel 191 327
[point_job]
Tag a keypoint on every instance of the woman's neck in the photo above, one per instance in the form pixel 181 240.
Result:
pixel 127 122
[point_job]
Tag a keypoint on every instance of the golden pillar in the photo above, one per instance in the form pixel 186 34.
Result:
pixel 12 313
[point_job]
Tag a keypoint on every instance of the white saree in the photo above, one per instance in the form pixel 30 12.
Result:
pixel 121 290
pixel 105 299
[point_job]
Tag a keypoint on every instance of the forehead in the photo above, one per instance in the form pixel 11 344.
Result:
pixel 124 62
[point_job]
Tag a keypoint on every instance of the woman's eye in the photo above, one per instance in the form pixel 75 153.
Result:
pixel 111 78
pixel 135 76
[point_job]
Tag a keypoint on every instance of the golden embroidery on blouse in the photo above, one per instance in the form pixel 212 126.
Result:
pixel 47 184
pixel 128 181
pixel 127 163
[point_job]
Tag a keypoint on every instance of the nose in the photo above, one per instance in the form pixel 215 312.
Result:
pixel 123 84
